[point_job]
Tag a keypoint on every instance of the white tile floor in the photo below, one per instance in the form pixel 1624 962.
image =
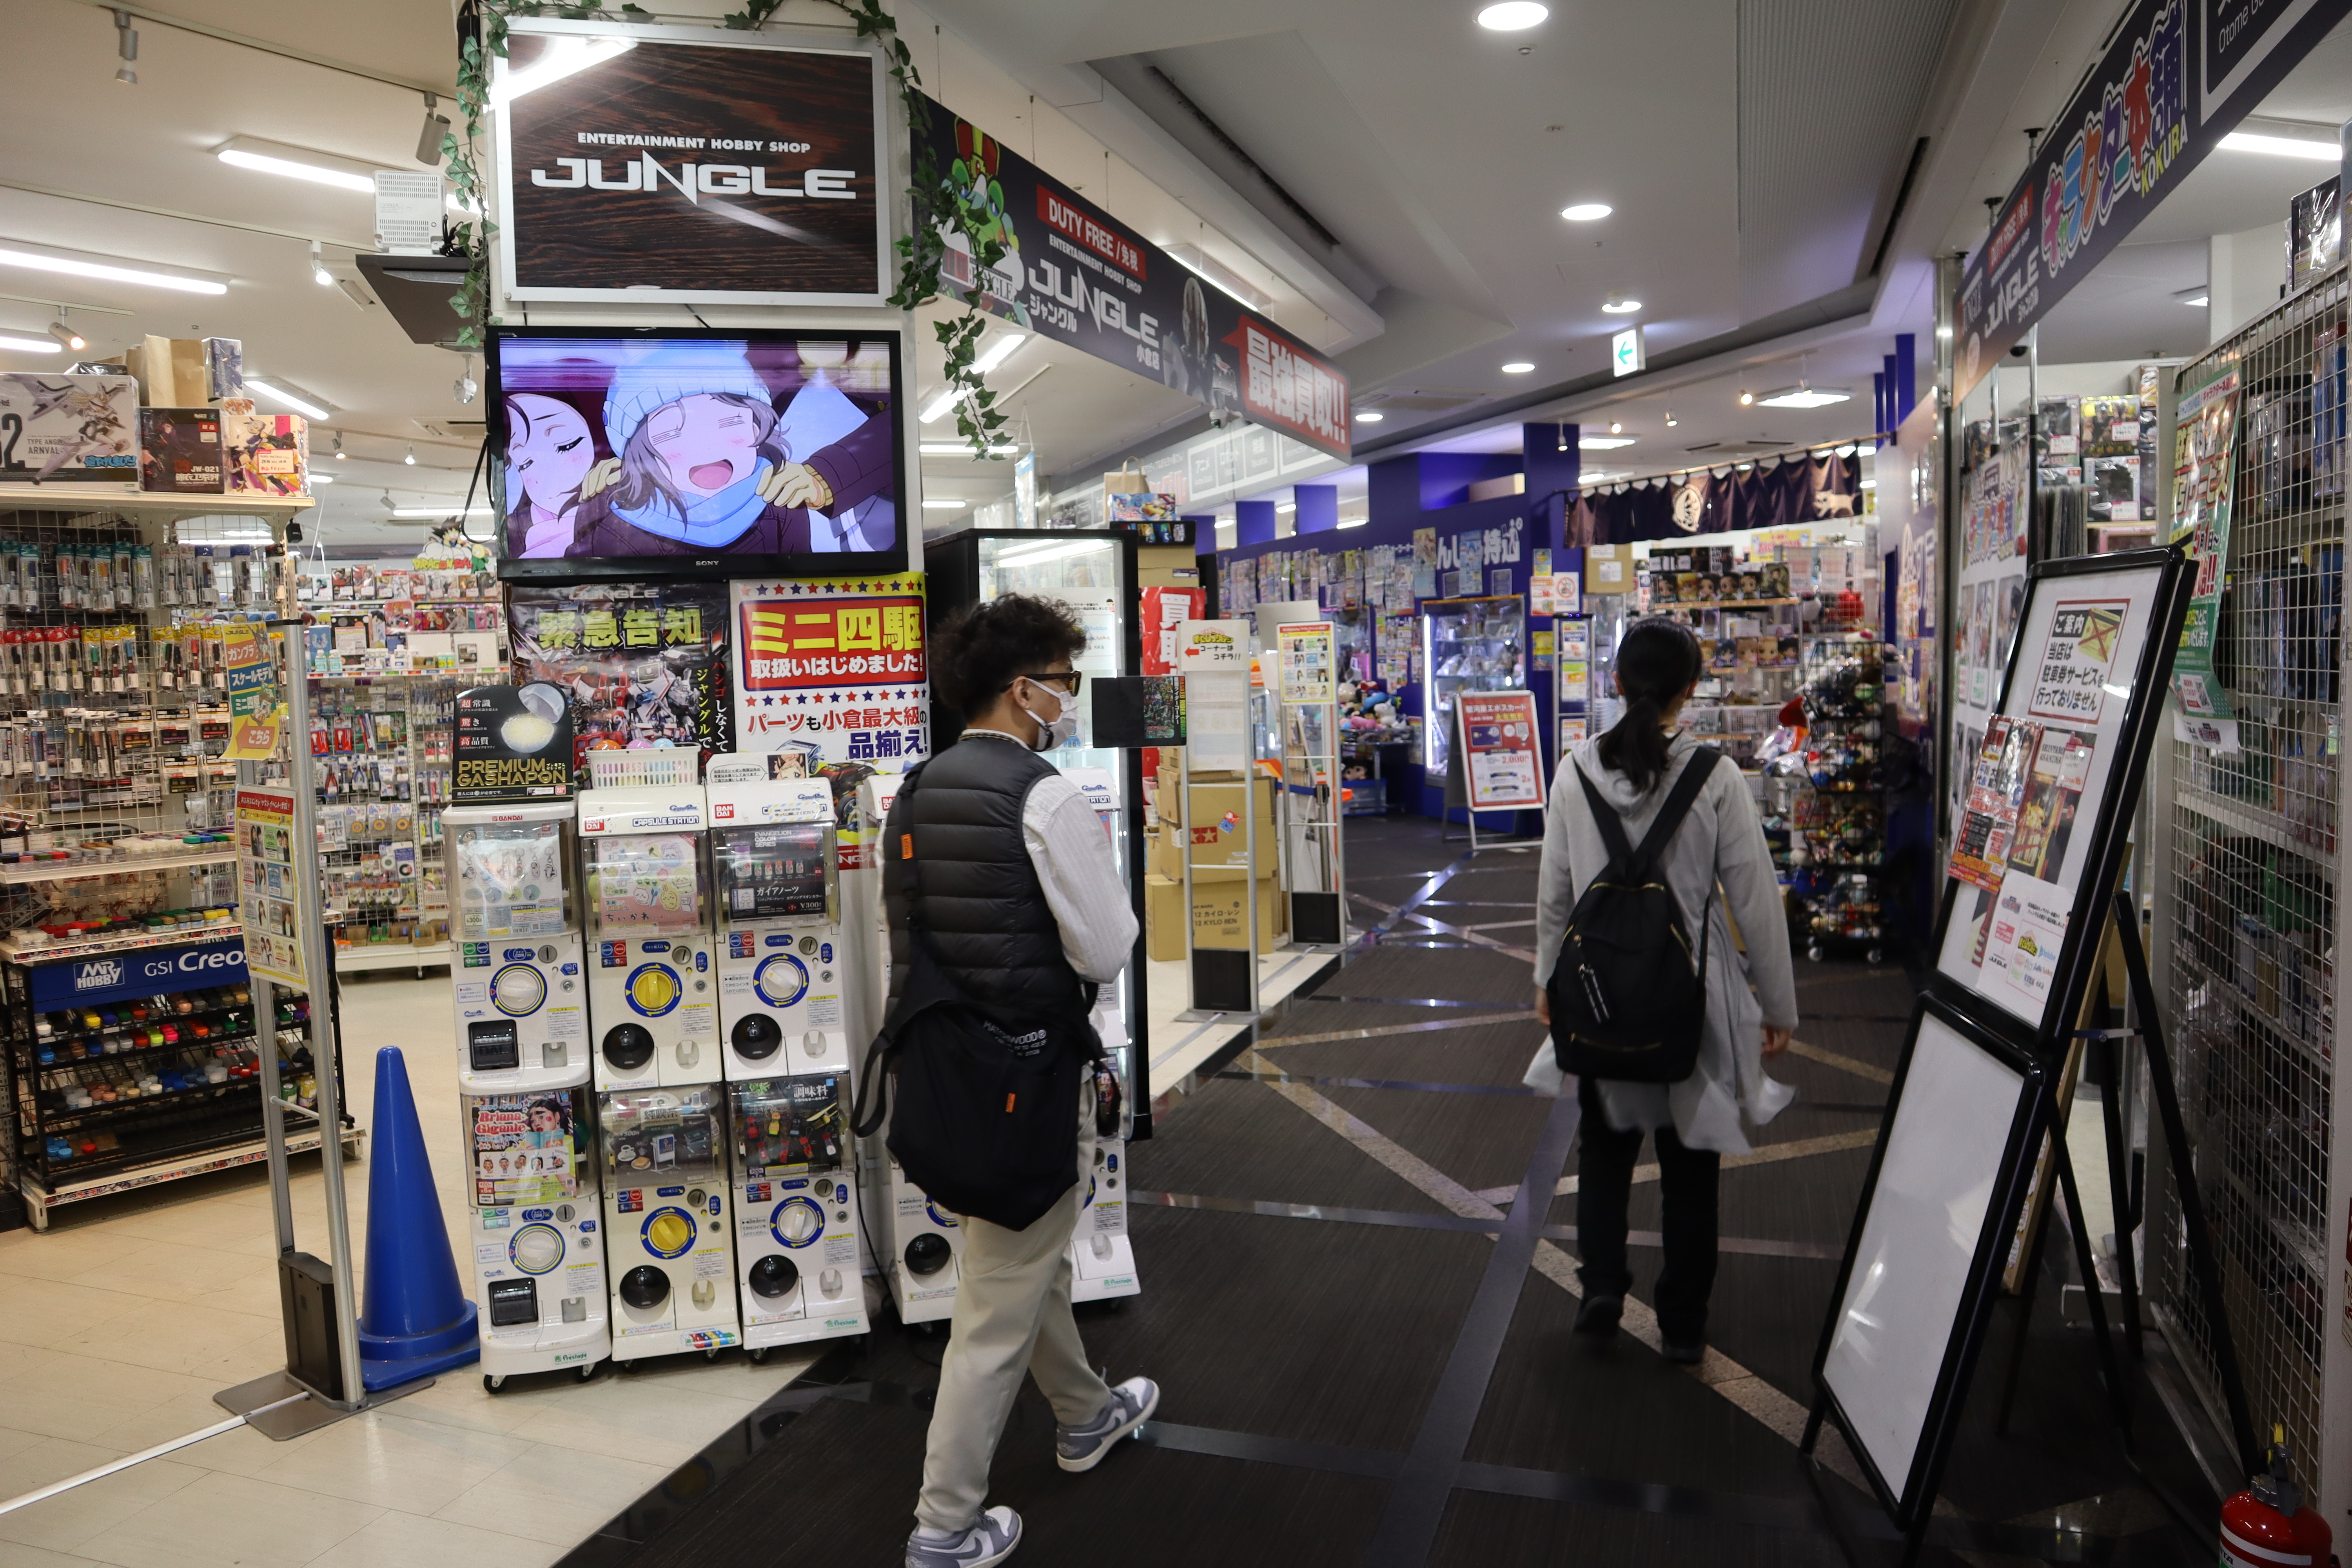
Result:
pixel 119 1325
pixel 1178 1046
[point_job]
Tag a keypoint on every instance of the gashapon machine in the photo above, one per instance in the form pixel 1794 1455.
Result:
pixel 796 1250
pixel 782 963
pixel 672 1253
pixel 521 999
pixel 653 983
pixel 916 1244
pixel 539 1261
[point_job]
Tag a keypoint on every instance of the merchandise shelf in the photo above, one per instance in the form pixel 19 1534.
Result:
pixel 133 502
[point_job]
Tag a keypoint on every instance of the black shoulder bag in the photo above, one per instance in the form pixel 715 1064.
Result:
pixel 1629 991
pixel 985 1115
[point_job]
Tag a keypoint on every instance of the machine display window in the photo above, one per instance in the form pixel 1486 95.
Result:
pixel 663 1136
pixel 789 1126
pixel 526 1148
pixel 650 884
pixel 509 881
pixel 775 872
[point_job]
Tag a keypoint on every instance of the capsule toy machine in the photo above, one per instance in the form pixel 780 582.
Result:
pixel 539 1259
pixel 796 1246
pixel 520 995
pixel 653 983
pixel 668 1236
pixel 917 1245
pixel 782 964
pixel 1102 1259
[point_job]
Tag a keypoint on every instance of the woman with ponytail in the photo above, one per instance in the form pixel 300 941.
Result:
pixel 1717 865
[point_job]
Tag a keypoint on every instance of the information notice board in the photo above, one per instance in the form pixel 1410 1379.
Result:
pixel 1501 753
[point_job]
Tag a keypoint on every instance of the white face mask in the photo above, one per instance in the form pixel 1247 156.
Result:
pixel 1063 728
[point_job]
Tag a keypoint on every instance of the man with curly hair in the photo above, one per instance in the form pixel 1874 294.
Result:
pixel 1023 906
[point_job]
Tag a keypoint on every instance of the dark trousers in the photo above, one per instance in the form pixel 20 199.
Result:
pixel 1604 1183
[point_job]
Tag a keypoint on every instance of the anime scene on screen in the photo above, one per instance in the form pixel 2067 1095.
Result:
pixel 623 448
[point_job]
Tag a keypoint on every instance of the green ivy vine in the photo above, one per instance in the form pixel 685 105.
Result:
pixel 938 204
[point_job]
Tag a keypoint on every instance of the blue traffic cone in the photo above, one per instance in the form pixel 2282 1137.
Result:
pixel 415 1319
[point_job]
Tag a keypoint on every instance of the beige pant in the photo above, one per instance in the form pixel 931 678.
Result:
pixel 1011 1312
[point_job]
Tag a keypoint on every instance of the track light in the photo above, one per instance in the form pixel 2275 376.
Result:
pixel 410 458
pixel 466 387
pixel 1671 420
pixel 1616 428
pixel 1746 397
pixel 340 453
pixel 126 48
pixel 428 140
pixel 319 273
pixel 67 336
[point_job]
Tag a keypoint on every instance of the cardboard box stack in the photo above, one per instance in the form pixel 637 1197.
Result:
pixel 199 433
pixel 1219 915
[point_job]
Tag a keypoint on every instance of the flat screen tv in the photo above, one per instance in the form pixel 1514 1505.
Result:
pixel 665 453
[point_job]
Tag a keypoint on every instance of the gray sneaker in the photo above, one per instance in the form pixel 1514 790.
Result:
pixel 991 1539
pixel 1131 1404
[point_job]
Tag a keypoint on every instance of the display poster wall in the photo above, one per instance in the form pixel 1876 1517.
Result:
pixel 2177 78
pixel 645 664
pixel 2046 788
pixel 1077 275
pixel 1988 596
pixel 689 164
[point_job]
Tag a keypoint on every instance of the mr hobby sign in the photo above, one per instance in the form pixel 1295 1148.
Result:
pixel 676 164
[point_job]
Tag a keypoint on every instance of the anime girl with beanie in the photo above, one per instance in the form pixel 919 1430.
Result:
pixel 704 465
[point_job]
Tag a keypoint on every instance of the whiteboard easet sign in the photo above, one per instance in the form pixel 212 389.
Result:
pixel 1501 754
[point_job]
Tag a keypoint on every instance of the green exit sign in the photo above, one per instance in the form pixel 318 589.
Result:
pixel 1625 352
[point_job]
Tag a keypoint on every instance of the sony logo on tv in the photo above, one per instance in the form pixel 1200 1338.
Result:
pixel 694 180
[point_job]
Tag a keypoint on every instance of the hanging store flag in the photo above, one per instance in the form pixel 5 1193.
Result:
pixel 1074 274
pixel 689 164
pixel 2179 77
pixel 1500 745
pixel 274 889
pixel 2204 461
pixel 1307 668
pixel 835 667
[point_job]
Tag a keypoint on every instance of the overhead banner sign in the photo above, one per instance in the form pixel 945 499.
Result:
pixel 689 164
pixel 2179 77
pixel 1078 276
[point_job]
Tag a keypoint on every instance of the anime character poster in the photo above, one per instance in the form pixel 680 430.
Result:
pixel 618 449
pixel 645 664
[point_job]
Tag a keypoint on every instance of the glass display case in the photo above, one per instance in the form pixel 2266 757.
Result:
pixel 775 870
pixel 1092 573
pixel 1467 644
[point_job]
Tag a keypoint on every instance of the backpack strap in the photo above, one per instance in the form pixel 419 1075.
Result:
pixel 1604 817
pixel 1696 772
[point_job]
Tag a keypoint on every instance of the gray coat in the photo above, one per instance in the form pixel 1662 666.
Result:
pixel 1718 858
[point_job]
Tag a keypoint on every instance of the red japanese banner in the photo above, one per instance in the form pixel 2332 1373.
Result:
pixel 1291 388
pixel 834 666
pixel 831 642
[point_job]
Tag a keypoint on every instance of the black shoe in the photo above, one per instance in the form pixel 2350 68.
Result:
pixel 1599 1314
pixel 1684 1355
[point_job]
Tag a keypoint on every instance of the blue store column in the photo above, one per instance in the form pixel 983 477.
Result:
pixel 1318 508
pixel 1253 522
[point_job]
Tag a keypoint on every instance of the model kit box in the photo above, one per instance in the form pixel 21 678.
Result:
pixel 68 428
pixel 267 454
pixel 179 451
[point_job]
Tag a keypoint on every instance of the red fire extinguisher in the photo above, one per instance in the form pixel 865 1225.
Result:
pixel 2267 1525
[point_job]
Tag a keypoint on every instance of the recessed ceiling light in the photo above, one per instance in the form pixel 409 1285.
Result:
pixel 1512 16
pixel 1603 443
pixel 75 267
pixel 1369 418
pixel 296 164
pixel 2282 146
pixel 1619 305
pixel 1587 212
pixel 1518 367
pixel 1803 396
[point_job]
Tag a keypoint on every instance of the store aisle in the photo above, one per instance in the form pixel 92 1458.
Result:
pixel 117 1327
pixel 1365 1361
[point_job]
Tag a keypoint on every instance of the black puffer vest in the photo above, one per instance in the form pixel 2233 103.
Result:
pixel 984 912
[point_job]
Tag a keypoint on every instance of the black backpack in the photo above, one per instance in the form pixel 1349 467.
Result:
pixel 987 1104
pixel 1629 991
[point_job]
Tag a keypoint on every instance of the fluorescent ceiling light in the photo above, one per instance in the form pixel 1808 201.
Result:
pixel 1027 554
pixel 1369 418
pixel 322 478
pixel 30 345
pixel 1285 508
pixel 1618 305
pixel 1587 212
pixel 2195 297
pixel 1594 476
pixel 1518 367
pixel 1870 484
pixel 309 404
pixel 1804 398
pixel 452 511
pixel 1193 258
pixel 564 57
pixel 930 505
pixel 1603 443
pixel 960 449
pixel 939 406
pixel 296 164
pixel 999 352
pixel 75 267
pixel 2282 146
pixel 1354 522
pixel 1512 16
